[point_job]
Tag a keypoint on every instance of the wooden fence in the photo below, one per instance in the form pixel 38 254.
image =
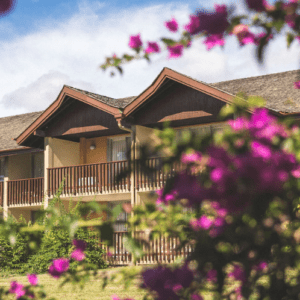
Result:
pixel 157 175
pixel 161 250
pixel 25 191
pixel 98 178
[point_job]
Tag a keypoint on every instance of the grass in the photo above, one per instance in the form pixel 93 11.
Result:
pixel 92 290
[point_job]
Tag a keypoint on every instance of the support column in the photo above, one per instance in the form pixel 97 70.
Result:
pixel 47 164
pixel 5 199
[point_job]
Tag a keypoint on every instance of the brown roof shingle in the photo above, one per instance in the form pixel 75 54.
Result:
pixel 277 89
pixel 11 127
pixel 118 102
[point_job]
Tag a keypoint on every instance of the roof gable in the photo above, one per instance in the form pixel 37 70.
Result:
pixel 65 94
pixel 160 82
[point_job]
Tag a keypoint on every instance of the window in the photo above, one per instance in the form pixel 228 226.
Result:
pixel 118 148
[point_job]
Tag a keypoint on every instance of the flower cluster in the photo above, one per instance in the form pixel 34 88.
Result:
pixel 61 265
pixel 20 290
pixel 237 179
pixel 212 221
pixel 167 283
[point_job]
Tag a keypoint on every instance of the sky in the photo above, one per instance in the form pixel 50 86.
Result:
pixel 45 44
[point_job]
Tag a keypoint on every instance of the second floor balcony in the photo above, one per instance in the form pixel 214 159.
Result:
pixel 88 180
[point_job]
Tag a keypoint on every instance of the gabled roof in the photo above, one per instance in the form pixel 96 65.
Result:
pixel 12 126
pixel 169 74
pixel 277 89
pixel 95 100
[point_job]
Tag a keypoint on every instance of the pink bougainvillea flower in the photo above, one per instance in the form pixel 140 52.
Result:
pixel 261 266
pixel 205 222
pixel 175 51
pixel 211 275
pixel 243 34
pixel 78 255
pixel 239 124
pixel 152 48
pixel 17 289
pixel 238 274
pixel 79 244
pixel 193 26
pixel 189 158
pixel 297 85
pixel 135 41
pixel 214 40
pixel 172 25
pixel 58 267
pixel 257 5
pixel 196 297
pixel 32 278
pixel 261 150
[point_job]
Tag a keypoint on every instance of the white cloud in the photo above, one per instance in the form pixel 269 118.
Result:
pixel 45 88
pixel 34 67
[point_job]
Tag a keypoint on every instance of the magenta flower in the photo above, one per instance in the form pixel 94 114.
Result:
pixel 257 5
pixel 172 25
pixel 175 51
pixel 297 84
pixel 17 288
pixel 196 297
pixel 152 48
pixel 135 42
pixel 79 244
pixel 239 124
pixel 211 275
pixel 205 222
pixel 58 267
pixel 261 266
pixel 193 26
pixel 78 255
pixel 32 278
pixel 214 40
pixel 238 274
pixel 189 158
pixel 261 150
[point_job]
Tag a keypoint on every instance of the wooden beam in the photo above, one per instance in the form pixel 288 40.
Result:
pixel 40 133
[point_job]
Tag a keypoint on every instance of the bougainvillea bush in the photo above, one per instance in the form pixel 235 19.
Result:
pixel 236 203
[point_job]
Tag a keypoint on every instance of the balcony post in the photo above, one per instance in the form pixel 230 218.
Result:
pixel 47 164
pixel 5 199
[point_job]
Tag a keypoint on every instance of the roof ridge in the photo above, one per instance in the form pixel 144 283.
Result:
pixel 23 114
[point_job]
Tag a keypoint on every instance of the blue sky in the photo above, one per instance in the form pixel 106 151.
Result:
pixel 47 43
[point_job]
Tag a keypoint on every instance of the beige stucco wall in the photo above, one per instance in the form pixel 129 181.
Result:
pixel 19 166
pixel 17 212
pixel 63 153
pixel 145 136
pixel 98 155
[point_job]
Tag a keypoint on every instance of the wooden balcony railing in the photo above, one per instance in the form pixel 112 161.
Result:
pixel 161 250
pixel 157 178
pixel 1 193
pixel 98 178
pixel 25 191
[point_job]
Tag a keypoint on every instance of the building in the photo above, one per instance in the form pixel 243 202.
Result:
pixel 83 138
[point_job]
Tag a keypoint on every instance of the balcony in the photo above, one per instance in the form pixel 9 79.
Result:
pixel 91 179
pixel 85 180
pixel 25 192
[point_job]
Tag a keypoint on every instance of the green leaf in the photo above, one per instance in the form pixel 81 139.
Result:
pixel 117 210
pixel 106 233
pixel 278 24
pixel 133 246
pixel 168 42
pixel 127 57
pixel 256 101
pixel 289 39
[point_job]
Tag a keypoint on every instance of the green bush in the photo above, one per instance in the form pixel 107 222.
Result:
pixel 53 244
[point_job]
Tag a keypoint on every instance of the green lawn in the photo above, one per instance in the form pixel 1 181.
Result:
pixel 91 291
